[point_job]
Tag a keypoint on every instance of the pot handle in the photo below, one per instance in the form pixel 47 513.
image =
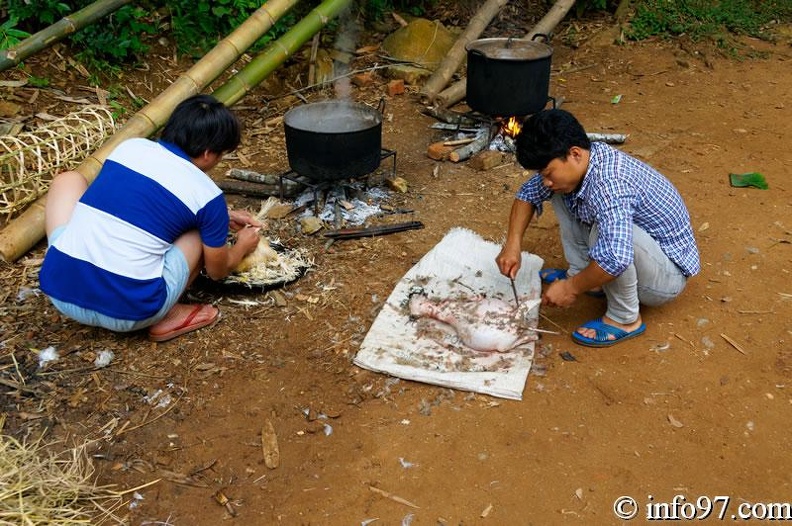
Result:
pixel 542 35
pixel 478 53
pixel 381 106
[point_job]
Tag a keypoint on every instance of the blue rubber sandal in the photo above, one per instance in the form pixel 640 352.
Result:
pixel 550 275
pixel 603 330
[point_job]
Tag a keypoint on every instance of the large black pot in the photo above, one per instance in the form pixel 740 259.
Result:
pixel 507 77
pixel 333 140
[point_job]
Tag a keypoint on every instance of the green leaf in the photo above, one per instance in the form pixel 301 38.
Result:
pixel 754 179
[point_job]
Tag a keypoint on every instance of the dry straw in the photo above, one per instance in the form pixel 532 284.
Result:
pixel 38 486
pixel 289 264
pixel 29 160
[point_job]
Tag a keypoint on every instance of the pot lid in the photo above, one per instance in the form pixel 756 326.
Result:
pixel 510 48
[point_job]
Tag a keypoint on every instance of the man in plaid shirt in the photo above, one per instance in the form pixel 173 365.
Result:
pixel 625 229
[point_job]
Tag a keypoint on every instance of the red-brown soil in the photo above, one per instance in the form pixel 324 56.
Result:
pixel 699 406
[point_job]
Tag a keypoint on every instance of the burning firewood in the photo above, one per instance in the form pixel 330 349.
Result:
pixel 479 143
pixel 439 151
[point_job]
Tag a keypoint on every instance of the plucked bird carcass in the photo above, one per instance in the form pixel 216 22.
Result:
pixel 481 323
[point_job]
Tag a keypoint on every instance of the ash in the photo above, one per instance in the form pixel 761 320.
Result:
pixel 365 204
pixel 503 143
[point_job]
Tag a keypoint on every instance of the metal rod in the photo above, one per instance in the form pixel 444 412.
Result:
pixel 514 290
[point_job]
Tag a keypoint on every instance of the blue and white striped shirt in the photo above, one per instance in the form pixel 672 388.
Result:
pixel 617 192
pixel 110 256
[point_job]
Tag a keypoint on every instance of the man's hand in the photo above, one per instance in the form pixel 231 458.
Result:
pixel 247 239
pixel 509 261
pixel 560 293
pixel 239 219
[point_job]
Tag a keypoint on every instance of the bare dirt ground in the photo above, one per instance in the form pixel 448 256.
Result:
pixel 698 406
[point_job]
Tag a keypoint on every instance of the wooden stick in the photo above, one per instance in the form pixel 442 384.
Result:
pixel 354 233
pixel 479 143
pixel 554 324
pixel 734 344
pixel 393 497
pixel 249 189
pixel 58 31
pixel 254 177
pixel 448 116
pixel 456 55
pixel 312 61
pixel 459 142
pixel 456 92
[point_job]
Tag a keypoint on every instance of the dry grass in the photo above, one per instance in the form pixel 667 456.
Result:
pixel 40 486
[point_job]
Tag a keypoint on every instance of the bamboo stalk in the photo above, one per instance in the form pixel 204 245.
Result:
pixel 265 63
pixel 456 55
pixel 27 229
pixel 58 31
pixel 456 92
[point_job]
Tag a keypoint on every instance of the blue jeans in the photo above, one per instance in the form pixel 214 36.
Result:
pixel 176 273
pixel 652 279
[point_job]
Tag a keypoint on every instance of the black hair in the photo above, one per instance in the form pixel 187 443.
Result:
pixel 548 135
pixel 202 123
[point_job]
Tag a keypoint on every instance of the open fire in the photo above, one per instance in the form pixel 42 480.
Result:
pixel 511 128
pixel 507 131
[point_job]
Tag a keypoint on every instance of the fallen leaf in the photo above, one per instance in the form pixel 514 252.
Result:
pixel 673 421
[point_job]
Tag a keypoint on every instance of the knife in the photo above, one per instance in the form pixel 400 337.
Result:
pixel 514 290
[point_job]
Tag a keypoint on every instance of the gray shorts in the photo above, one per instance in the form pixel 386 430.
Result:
pixel 176 273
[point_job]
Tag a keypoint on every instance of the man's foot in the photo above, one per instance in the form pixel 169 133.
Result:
pixel 604 332
pixel 183 319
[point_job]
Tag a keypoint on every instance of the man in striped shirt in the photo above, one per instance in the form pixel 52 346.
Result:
pixel 625 229
pixel 124 249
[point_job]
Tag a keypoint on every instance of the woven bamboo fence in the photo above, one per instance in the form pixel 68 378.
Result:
pixel 29 160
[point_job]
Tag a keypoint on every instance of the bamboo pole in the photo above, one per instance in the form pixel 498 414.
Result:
pixel 456 55
pixel 266 62
pixel 26 230
pixel 456 92
pixel 58 31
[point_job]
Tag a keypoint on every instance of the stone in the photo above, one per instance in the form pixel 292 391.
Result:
pixel 311 225
pixel 411 75
pixel 363 80
pixel 395 87
pixel 397 184
pixel 424 42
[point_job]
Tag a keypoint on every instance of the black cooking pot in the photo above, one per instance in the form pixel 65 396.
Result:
pixel 332 140
pixel 507 77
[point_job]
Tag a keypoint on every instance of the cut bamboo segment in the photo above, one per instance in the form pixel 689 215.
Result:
pixel 266 62
pixel 27 229
pixel 58 31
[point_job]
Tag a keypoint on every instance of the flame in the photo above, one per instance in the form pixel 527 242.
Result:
pixel 511 128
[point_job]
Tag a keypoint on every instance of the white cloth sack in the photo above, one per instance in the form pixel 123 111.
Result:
pixel 462 264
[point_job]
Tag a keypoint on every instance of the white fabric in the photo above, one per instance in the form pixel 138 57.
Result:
pixel 112 244
pixel 460 265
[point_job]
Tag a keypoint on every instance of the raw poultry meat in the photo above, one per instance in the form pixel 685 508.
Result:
pixel 262 254
pixel 483 324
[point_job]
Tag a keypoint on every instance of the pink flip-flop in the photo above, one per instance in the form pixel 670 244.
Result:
pixel 187 325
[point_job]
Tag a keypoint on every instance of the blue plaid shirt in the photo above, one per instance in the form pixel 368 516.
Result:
pixel 618 191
